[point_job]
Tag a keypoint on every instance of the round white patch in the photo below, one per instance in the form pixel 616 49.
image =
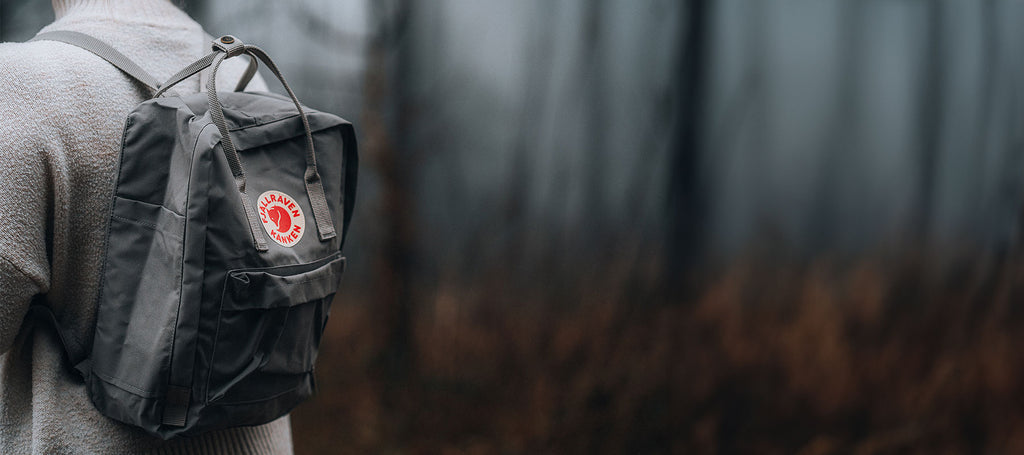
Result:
pixel 282 217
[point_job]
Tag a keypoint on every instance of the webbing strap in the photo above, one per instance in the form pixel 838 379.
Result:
pixel 186 73
pixel 250 71
pixel 314 186
pixel 202 64
pixel 234 162
pixel 104 51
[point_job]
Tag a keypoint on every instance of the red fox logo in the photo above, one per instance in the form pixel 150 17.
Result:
pixel 280 217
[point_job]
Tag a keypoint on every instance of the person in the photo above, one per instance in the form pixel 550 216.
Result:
pixel 63 110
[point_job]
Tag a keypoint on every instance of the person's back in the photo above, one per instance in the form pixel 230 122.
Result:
pixel 63 114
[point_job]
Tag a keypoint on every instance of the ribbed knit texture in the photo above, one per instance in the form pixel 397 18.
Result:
pixel 62 110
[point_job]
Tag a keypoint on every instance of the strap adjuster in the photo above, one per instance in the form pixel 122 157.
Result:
pixel 229 45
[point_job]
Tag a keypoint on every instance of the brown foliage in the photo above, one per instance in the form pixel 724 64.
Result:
pixel 817 358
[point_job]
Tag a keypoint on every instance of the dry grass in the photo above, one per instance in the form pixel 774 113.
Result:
pixel 816 358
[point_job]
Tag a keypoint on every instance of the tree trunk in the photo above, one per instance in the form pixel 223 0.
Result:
pixel 930 119
pixel 686 211
pixel 387 99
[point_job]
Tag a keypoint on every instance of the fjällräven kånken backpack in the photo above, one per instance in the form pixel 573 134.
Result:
pixel 222 255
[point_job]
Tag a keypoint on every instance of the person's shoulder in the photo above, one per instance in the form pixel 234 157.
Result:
pixel 38 71
pixel 41 57
pixel 34 78
pixel 43 84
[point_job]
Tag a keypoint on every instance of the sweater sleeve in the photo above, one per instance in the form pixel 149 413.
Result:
pixel 24 268
pixel 16 291
pixel 24 202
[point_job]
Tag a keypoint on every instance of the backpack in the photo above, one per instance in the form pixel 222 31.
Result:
pixel 221 256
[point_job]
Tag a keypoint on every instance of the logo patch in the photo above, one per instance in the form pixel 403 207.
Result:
pixel 282 218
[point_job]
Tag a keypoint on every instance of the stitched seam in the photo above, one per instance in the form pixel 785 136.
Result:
pixel 181 272
pixel 39 282
pixel 150 204
pixel 113 200
pixel 332 257
pixel 147 225
pixel 309 280
pixel 257 122
pixel 134 221
pixel 216 338
pixel 134 390
pixel 260 400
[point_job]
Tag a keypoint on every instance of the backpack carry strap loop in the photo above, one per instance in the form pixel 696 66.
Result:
pixel 226 47
pixel 186 73
pixel 314 185
pixel 204 63
pixel 234 162
pixel 250 71
pixel 104 51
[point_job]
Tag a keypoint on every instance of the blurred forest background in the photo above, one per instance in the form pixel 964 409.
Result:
pixel 664 226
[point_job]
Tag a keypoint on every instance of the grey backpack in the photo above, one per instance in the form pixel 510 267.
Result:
pixel 223 252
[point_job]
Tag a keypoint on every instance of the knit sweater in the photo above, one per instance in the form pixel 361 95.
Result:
pixel 62 110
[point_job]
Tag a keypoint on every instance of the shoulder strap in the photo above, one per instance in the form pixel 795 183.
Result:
pixel 104 51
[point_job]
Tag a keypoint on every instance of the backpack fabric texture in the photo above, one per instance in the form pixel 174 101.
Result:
pixel 223 253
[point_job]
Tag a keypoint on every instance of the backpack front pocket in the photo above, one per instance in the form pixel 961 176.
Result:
pixel 269 330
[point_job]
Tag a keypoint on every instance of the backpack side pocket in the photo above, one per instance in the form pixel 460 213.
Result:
pixel 137 310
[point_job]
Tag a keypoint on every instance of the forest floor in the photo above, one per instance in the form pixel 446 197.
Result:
pixel 817 358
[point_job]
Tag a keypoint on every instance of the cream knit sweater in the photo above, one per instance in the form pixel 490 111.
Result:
pixel 61 114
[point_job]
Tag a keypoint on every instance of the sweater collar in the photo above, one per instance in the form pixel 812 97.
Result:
pixel 116 9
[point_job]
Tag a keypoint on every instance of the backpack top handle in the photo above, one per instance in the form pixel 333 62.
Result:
pixel 226 47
